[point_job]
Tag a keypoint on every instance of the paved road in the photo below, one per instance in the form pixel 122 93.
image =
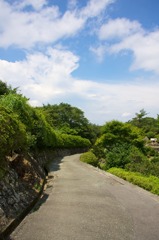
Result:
pixel 86 203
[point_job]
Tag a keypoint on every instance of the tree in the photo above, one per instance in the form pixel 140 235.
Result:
pixel 137 121
pixel 149 125
pixel 3 88
pixel 141 114
pixel 116 132
pixel 69 120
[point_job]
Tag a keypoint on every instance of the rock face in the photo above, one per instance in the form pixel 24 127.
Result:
pixel 23 181
pixel 19 187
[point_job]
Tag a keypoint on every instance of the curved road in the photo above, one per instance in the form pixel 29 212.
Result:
pixel 85 203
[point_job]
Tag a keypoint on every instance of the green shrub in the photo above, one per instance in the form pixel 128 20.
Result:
pixel 43 132
pixel 19 105
pixel 13 136
pixel 102 165
pixel 150 152
pixel 89 158
pixel 12 132
pixel 155 159
pixel 150 183
pixel 136 155
pixel 71 141
pixel 147 168
pixel 122 154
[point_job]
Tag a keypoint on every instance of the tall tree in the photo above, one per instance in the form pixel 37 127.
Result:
pixel 5 89
pixel 149 125
pixel 138 119
pixel 70 120
pixel 116 132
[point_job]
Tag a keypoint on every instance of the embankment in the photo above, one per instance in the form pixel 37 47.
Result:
pixel 23 184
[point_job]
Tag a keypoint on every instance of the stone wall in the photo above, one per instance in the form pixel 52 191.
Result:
pixel 23 183
pixel 19 187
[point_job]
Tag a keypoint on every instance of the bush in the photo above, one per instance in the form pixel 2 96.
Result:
pixel 120 155
pixel 44 134
pixel 19 105
pixel 150 152
pixel 38 131
pixel 146 168
pixel 13 135
pixel 155 159
pixel 150 183
pixel 71 141
pixel 89 158
pixel 12 131
pixel 136 155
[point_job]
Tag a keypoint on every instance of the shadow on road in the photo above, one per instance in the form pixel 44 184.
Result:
pixel 51 167
pixel 41 201
pixel 54 165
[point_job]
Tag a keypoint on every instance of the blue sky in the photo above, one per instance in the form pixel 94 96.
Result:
pixel 100 56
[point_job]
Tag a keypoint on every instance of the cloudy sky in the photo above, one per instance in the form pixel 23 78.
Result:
pixel 101 56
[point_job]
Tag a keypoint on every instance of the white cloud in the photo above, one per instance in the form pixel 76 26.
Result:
pixel 130 36
pixel 36 4
pixel 145 48
pixel 72 4
pixel 43 25
pixel 94 8
pixel 47 78
pixel 119 28
pixel 99 52
pixel 41 77
pixel 24 29
pixel 106 101
pixel 126 114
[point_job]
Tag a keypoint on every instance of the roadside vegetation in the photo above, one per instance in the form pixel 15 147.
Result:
pixel 125 150
pixel 90 158
pixel 150 183
pixel 24 128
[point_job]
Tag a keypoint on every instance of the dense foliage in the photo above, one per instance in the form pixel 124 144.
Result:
pixel 12 133
pixel 90 158
pixel 126 150
pixel 116 144
pixel 149 125
pixel 24 128
pixel 150 183
pixel 70 120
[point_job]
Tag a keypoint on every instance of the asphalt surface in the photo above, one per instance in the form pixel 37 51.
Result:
pixel 84 203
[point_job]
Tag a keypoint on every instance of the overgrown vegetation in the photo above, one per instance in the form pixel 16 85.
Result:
pixel 150 183
pixel 24 128
pixel 126 151
pixel 70 120
pixel 90 158
pixel 123 147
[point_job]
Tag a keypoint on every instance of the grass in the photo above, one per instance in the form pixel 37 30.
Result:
pixel 150 183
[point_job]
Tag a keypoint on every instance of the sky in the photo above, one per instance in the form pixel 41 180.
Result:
pixel 101 56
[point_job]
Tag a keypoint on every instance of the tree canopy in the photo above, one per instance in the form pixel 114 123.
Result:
pixel 70 120
pixel 149 125
pixel 24 128
pixel 114 132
